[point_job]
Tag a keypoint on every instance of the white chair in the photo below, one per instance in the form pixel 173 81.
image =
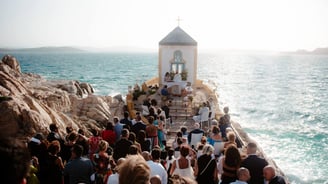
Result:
pixel 195 139
pixel 218 148
pixel 145 110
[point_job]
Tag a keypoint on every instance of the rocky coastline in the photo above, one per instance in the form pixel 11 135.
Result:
pixel 29 103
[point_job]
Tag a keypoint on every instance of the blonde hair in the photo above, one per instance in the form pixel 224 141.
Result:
pixel 231 136
pixel 134 170
pixel 103 145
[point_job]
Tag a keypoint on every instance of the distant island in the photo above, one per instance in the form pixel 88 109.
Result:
pixel 317 51
pixel 42 49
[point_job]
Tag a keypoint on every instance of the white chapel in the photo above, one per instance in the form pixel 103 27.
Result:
pixel 177 59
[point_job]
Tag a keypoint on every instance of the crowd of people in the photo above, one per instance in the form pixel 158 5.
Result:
pixel 131 151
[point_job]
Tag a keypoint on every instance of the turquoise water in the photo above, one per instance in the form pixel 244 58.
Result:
pixel 280 100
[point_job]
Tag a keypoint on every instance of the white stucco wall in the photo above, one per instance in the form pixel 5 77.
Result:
pixel 189 54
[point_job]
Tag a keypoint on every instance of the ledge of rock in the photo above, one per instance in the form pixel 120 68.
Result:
pixel 29 103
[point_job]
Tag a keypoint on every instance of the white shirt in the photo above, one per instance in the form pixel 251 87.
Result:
pixel 113 179
pixel 238 182
pixel 157 169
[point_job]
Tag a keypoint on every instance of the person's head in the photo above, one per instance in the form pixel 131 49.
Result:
pixel 53 127
pixel 116 119
pixel 163 154
pixel 80 131
pixel 203 140
pixel 208 149
pixel 179 141
pixel 183 129
pixel 214 122
pixel 15 161
pixel 269 172
pixel 146 155
pixel 232 156
pixel 69 129
pixel 184 150
pixel 155 179
pixel 126 114
pixel 118 163
pixel 110 126
pixel 151 119
pixel 243 174
pixel 153 102
pixel 77 151
pixel 141 136
pixel 125 133
pixel 226 109
pixel 132 137
pixel 156 154
pixel 133 149
pixel 103 145
pixel 179 134
pixel 251 148
pixel 215 130
pixel 54 147
pixel 72 137
pixel 134 170
pixel 196 125
pixel 94 132
pixel 231 136
pixel 165 86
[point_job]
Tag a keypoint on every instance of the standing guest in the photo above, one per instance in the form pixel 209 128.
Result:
pixel 51 171
pixel 94 142
pixel 254 164
pixel 182 165
pixel 127 123
pixel 66 148
pixel 78 169
pixel 144 143
pixel 169 160
pixel 271 177
pixel 161 132
pixel 101 163
pixel 113 178
pixel 54 134
pixel 229 164
pixel 151 131
pixel 122 146
pixel 206 167
pixel 166 109
pixel 118 127
pixel 134 170
pixel 156 168
pixel 109 134
pixel 83 141
pixel 133 139
pixel 15 161
pixel 139 125
pixel 224 122
pixel 243 176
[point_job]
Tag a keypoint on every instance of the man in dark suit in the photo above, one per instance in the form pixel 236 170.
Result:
pixel 271 177
pixel 122 146
pixel 254 164
pixel 138 126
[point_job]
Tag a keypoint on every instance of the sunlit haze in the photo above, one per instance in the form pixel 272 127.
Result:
pixel 277 25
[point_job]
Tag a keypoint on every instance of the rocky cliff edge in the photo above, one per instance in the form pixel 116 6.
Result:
pixel 29 103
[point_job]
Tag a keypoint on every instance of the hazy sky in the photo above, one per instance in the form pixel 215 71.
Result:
pixel 230 24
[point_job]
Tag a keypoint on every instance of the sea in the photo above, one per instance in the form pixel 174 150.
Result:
pixel 280 100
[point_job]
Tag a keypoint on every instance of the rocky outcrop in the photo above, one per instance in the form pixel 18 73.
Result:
pixel 30 103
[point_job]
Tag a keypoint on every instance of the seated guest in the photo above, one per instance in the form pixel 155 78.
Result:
pixel 165 91
pixel 271 177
